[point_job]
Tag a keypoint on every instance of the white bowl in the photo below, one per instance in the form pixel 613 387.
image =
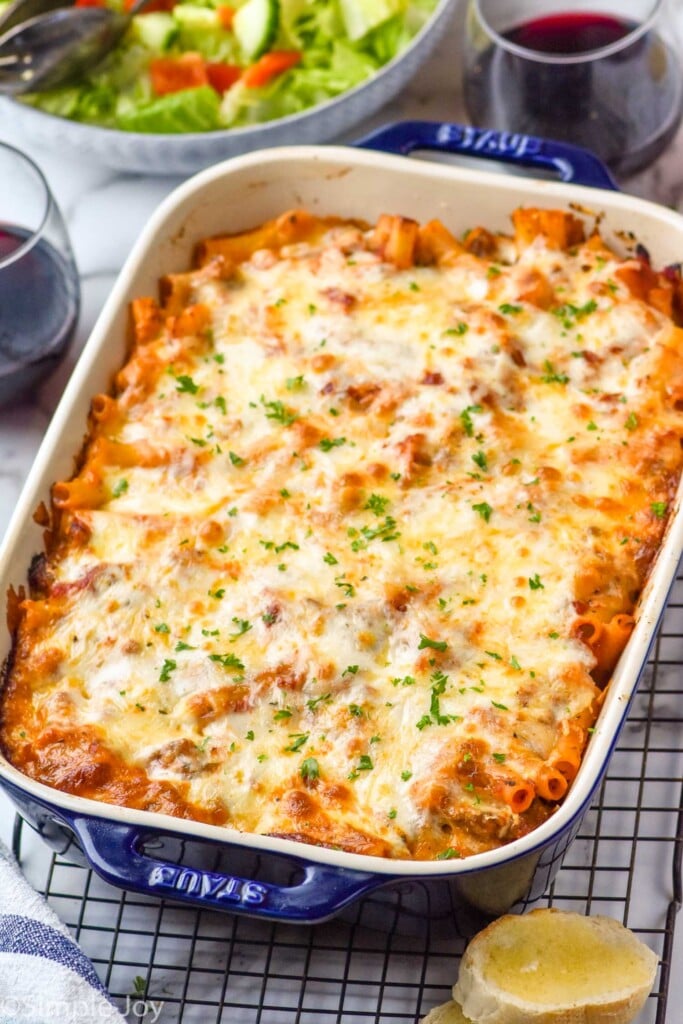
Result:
pixel 187 153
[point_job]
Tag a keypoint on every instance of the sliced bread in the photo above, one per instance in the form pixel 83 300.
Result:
pixel 446 1013
pixel 554 967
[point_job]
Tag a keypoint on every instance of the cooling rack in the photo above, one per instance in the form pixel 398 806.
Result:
pixel 394 955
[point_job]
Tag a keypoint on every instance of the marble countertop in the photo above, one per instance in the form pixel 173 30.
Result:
pixel 106 210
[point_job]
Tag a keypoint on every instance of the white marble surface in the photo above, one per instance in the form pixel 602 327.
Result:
pixel 105 212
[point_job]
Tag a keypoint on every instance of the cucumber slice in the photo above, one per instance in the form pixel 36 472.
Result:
pixel 361 16
pixel 192 16
pixel 155 30
pixel 255 25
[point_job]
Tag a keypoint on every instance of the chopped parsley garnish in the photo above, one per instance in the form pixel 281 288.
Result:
pixel 228 660
pixel 182 646
pixel 436 645
pixel 500 758
pixel 348 588
pixel 466 418
pixel 551 376
pixel 501 707
pixel 310 769
pixel 509 309
pixel 221 404
pixel 459 329
pixel 185 384
pixel 350 670
pixel 166 669
pixel 392 813
pixel 515 664
pixel 484 510
pixel 535 582
pixel 120 488
pixel 365 763
pixel 282 714
pixel 439 682
pixel 660 508
pixel 448 854
pixel 631 421
pixel 568 311
pixel 376 503
pixel 479 458
pixel 406 774
pixel 355 710
pixel 295 383
pixel 384 531
pixel 236 459
pixel 330 559
pixel 243 626
pixel 218 594
pixel 328 443
pixel 279 412
pixel 405 681
pixel 161 627
pixel 298 741
pixel 324 698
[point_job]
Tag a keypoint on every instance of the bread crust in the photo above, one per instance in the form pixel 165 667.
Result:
pixel 446 1013
pixel 488 1002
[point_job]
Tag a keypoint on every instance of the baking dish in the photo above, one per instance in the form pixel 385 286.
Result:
pixel 231 197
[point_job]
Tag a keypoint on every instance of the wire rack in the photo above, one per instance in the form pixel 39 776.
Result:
pixel 395 954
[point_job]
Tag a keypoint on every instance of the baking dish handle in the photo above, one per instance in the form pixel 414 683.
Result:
pixel 113 850
pixel 571 163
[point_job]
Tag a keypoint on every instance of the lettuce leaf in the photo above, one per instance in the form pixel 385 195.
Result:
pixel 190 110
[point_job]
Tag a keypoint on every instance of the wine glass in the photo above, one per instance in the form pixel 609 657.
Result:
pixel 603 74
pixel 39 288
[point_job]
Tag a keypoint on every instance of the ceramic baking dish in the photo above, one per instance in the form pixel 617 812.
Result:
pixel 124 845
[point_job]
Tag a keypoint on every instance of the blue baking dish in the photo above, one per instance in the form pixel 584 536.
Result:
pixel 278 879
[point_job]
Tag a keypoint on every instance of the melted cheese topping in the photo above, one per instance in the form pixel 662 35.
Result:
pixel 343 563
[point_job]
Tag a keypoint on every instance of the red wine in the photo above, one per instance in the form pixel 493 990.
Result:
pixel 571 32
pixel 38 310
pixel 625 106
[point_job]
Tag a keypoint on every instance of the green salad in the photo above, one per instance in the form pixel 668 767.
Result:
pixel 203 65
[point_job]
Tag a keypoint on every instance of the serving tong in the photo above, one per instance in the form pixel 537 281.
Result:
pixel 44 44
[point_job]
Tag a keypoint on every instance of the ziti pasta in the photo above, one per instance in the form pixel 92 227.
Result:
pixel 357 536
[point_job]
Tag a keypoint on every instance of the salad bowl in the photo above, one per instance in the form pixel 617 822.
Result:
pixel 165 153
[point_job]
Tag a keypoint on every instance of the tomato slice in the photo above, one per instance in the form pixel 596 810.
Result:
pixel 222 76
pixel 171 74
pixel 226 16
pixel 270 66
pixel 90 3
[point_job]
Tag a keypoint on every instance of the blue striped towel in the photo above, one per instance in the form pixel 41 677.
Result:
pixel 45 978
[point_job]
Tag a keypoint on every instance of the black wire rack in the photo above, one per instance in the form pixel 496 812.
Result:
pixel 395 954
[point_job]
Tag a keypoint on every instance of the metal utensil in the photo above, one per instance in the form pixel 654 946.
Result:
pixel 58 46
pixel 21 10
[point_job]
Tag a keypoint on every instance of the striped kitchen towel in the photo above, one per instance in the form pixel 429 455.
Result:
pixel 45 978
